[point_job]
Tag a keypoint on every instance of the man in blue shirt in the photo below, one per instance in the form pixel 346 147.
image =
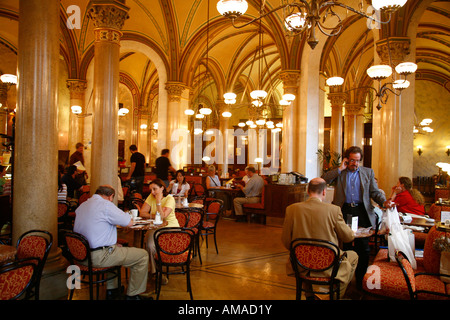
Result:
pixel 355 186
pixel 96 219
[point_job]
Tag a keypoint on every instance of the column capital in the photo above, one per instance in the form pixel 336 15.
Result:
pixel 337 99
pixel 399 49
pixel 76 88
pixel 291 79
pixel 354 109
pixel 175 90
pixel 108 14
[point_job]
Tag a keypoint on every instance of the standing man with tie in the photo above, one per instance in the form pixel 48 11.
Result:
pixel 355 186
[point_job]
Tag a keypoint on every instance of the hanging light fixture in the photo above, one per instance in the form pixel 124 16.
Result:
pixel 76 109
pixel 380 73
pixel 306 16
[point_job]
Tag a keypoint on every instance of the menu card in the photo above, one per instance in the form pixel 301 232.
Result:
pixel 445 215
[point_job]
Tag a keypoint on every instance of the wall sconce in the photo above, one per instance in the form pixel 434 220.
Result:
pixel 448 151
pixel 419 150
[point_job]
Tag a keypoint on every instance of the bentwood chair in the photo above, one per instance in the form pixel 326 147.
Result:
pixel 64 221
pixel 213 212
pixel 35 244
pixel 78 252
pixel 435 288
pixel 315 256
pixel 194 223
pixel 16 279
pixel 173 249
pixel 182 217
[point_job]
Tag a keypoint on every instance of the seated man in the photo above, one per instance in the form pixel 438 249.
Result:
pixel 318 220
pixel 252 191
pixel 96 219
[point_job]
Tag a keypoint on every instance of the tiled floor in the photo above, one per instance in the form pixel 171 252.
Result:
pixel 250 265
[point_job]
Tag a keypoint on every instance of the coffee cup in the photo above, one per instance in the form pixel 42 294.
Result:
pixel 134 213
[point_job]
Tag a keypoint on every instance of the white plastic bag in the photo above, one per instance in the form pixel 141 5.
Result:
pixel 399 239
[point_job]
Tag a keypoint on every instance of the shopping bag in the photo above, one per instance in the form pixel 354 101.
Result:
pixel 399 238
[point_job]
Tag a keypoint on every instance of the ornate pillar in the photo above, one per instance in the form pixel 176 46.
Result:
pixel 354 125
pixel 174 110
pixel 291 125
pixel 393 146
pixel 222 143
pixel 77 89
pixel 108 18
pixel 337 101
pixel 36 147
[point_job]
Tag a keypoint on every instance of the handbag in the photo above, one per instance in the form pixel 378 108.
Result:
pixel 399 238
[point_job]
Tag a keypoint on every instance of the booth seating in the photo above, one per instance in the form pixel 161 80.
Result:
pixel 385 278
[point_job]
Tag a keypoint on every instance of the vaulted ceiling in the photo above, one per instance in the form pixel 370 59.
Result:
pixel 191 37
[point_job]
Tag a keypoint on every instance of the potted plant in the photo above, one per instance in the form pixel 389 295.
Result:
pixel 442 244
pixel 329 159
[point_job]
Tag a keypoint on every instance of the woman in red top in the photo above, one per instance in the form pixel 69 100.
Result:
pixel 407 199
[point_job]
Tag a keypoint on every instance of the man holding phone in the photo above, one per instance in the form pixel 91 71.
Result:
pixel 355 186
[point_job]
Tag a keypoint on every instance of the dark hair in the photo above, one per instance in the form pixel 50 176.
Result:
pixel 133 147
pixel 353 149
pixel 250 168
pixel 182 173
pixel 407 183
pixel 315 186
pixel 70 170
pixel 105 191
pixel 164 151
pixel 79 144
pixel 160 184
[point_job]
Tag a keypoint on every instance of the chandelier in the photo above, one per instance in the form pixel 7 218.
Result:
pixel 423 127
pixel 306 16
pixel 259 104
pixel 380 73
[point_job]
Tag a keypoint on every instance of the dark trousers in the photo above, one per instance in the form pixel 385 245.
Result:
pixel 359 245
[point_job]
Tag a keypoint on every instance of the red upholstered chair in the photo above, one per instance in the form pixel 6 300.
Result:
pixel 316 256
pixel 194 223
pixel 257 208
pixel 432 257
pixel 213 212
pixel 83 197
pixel 173 249
pixel 64 221
pixel 16 279
pixel 391 281
pixel 78 252
pixel 434 289
pixel 182 218
pixel 35 244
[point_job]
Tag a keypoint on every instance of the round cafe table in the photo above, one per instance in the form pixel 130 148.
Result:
pixel 140 228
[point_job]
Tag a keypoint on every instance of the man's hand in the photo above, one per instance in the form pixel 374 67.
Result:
pixel 343 165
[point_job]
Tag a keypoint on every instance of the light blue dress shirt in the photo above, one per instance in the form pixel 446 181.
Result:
pixel 353 188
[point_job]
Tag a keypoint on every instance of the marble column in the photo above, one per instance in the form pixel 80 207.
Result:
pixel 392 155
pixel 108 18
pixel 337 100
pixel 354 125
pixel 291 125
pixel 77 89
pixel 36 145
pixel 174 121
pixel 222 144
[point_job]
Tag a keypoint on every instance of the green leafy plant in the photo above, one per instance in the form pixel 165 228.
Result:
pixel 329 159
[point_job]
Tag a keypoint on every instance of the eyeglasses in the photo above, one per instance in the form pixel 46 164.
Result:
pixel 354 161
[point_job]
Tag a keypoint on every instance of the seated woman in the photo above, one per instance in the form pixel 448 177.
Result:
pixel 157 201
pixel 212 179
pixel 179 186
pixel 407 199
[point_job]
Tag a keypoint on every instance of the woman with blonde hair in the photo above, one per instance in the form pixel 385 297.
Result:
pixel 407 199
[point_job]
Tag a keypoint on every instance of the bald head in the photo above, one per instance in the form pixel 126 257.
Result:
pixel 317 188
